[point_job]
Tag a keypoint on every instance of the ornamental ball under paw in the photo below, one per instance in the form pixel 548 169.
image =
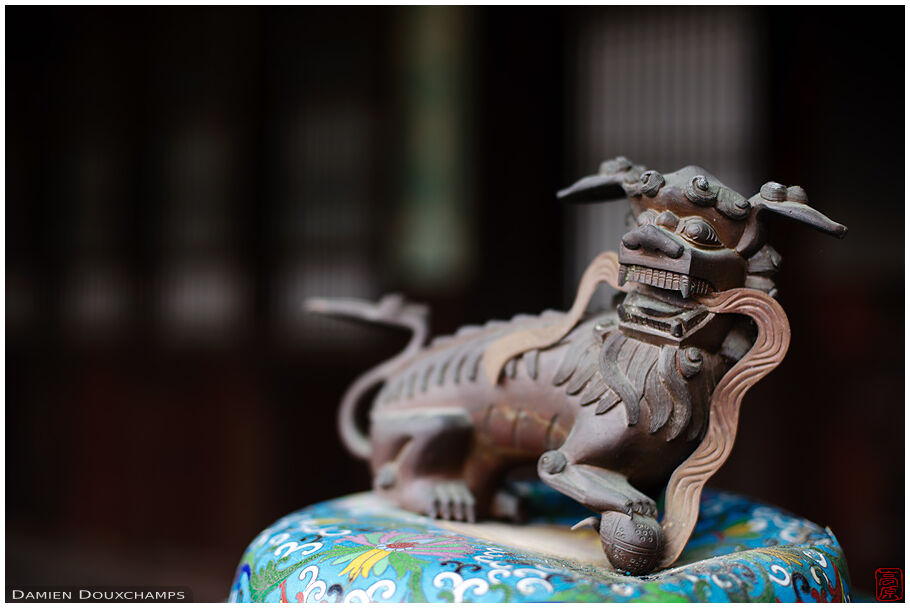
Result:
pixel 633 544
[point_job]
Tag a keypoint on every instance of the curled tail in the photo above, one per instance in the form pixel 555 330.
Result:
pixel 392 310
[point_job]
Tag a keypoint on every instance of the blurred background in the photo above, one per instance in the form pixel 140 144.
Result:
pixel 179 180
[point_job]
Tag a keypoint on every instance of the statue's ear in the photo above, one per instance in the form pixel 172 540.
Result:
pixel 593 189
pixel 791 202
pixel 610 183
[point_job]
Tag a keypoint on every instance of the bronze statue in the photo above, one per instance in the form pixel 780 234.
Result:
pixel 610 405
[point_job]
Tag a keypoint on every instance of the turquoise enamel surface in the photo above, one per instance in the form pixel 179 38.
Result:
pixel 359 548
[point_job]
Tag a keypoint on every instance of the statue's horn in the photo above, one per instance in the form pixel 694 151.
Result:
pixel 593 189
pixel 607 185
pixel 791 202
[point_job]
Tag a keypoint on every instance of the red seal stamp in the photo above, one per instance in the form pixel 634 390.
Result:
pixel 889 584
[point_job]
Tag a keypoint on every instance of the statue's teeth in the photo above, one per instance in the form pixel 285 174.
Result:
pixel 676 328
pixel 684 286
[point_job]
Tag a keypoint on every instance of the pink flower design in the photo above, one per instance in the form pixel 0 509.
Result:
pixel 414 544
pixel 379 546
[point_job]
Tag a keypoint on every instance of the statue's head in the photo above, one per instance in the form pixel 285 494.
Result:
pixel 691 235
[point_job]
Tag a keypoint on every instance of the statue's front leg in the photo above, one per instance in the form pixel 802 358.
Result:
pixel 598 489
pixel 632 539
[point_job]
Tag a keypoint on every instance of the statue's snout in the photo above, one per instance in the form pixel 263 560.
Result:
pixel 653 239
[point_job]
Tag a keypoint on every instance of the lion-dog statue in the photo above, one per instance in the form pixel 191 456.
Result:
pixel 610 405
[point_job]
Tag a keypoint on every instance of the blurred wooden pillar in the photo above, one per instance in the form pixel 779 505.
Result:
pixel 434 222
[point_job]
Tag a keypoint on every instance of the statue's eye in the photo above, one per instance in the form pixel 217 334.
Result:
pixel 700 232
pixel 647 217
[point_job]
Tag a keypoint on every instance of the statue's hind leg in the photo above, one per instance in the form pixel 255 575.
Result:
pixel 418 461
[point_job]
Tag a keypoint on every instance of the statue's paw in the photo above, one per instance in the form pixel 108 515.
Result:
pixel 641 504
pixel 451 500
pixel 646 508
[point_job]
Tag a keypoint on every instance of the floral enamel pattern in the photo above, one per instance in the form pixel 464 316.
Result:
pixel 359 548
pixel 379 550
